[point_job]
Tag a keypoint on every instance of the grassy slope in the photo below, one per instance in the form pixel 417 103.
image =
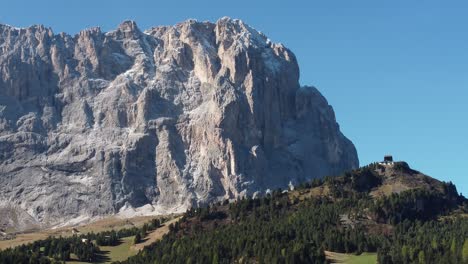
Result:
pixel 122 251
pixel 154 236
pixel 117 253
pixel 127 248
pixel 364 258
pixel 98 226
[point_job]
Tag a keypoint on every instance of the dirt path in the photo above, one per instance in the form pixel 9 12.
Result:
pixel 155 235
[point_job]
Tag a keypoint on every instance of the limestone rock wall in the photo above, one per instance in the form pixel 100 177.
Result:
pixel 172 117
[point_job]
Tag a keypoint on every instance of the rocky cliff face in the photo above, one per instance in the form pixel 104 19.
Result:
pixel 172 117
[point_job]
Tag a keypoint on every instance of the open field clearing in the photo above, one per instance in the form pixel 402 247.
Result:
pixel 364 258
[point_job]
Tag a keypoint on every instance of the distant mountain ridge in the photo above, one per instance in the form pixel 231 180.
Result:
pixel 156 121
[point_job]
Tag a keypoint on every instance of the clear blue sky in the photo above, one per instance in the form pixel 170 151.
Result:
pixel 396 72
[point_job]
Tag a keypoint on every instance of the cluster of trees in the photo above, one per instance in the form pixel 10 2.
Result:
pixel 416 204
pixel 51 250
pixel 84 247
pixel 427 242
pixel 112 237
pixel 351 184
pixel 268 230
pixel 141 233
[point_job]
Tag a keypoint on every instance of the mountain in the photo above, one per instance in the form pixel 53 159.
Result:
pixel 148 122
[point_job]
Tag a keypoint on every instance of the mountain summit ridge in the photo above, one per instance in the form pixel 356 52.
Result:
pixel 176 116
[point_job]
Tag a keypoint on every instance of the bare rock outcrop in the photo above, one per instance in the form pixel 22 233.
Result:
pixel 171 117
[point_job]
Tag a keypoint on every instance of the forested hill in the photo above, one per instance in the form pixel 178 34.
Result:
pixel 403 215
pixel 389 212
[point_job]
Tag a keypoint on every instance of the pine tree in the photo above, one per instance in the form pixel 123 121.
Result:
pixel 137 238
pixel 465 251
pixel 422 257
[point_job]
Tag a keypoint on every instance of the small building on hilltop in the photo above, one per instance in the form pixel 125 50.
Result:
pixel 388 160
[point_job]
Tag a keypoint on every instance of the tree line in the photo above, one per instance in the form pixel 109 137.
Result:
pixel 84 247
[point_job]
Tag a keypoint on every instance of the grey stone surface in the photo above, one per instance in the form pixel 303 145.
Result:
pixel 172 117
